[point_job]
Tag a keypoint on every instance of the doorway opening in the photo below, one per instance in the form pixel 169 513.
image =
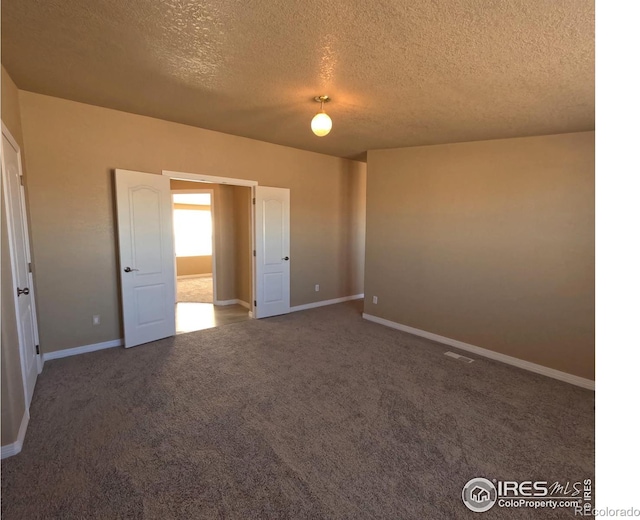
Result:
pixel 213 254
pixel 147 257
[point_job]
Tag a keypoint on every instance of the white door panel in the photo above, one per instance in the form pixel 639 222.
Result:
pixel 272 252
pixel 17 227
pixel 147 264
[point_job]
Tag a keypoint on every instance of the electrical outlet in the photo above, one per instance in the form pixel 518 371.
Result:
pixel 375 299
pixel 317 287
pixel 96 319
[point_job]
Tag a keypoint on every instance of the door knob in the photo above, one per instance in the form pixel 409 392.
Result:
pixel 128 269
pixel 23 291
pixel 286 258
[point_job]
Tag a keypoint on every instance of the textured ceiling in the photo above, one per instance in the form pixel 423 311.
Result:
pixel 400 72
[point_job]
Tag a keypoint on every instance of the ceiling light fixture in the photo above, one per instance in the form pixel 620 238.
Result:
pixel 321 122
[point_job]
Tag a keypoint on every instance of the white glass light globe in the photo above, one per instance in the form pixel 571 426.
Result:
pixel 321 124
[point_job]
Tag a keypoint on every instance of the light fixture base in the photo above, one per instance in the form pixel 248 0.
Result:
pixel 322 99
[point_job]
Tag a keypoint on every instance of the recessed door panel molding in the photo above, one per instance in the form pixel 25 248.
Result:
pixel 150 301
pixel 146 226
pixel 147 267
pixel 273 221
pixel 272 251
pixel 273 288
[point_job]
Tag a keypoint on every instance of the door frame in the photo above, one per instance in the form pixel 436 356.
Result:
pixel 213 237
pixel 210 179
pixel 10 231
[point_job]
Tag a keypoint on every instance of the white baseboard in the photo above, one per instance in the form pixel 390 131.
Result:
pixel 187 276
pixel 232 302
pixel 509 360
pixel 325 302
pixel 82 350
pixel 15 447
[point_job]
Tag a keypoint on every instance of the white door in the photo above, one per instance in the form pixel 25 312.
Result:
pixel 147 268
pixel 272 252
pixel 16 215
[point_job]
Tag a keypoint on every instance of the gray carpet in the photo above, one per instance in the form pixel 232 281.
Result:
pixel 317 414
pixel 197 290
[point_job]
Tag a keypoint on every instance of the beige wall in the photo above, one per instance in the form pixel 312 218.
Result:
pixel 11 373
pixel 243 243
pixel 72 151
pixel 225 243
pixel 490 243
pixel 353 234
pixel 193 265
pixel 11 109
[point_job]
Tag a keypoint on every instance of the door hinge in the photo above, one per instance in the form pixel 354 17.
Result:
pixel 254 201
pixel 255 303
pixel 21 181
pixel 30 267
pixel 254 252
pixel 38 349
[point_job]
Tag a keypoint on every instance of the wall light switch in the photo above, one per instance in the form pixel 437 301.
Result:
pixel 96 319
pixel 375 299
pixel 317 287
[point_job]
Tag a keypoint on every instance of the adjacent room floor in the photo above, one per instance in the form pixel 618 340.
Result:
pixel 195 309
pixel 315 414
pixel 196 290
pixel 197 316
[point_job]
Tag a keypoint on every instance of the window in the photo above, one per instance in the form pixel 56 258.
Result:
pixel 192 227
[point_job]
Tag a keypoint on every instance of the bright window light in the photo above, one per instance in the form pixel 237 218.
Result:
pixel 198 199
pixel 192 230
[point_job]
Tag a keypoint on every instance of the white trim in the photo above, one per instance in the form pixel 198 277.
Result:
pixel 187 276
pixel 225 302
pixel 509 360
pixel 325 302
pixel 208 178
pixel 9 450
pixel 254 238
pixel 82 350
pixel 232 302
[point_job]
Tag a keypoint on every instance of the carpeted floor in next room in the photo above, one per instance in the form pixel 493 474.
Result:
pixel 316 414
pixel 197 290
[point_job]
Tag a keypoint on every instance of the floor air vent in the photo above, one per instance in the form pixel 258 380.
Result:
pixel 459 357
